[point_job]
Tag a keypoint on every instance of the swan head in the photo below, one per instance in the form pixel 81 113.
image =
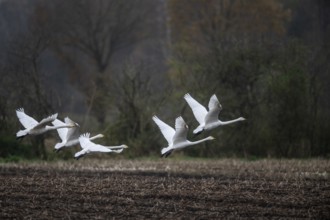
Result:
pixel 124 146
pixel 210 138
pixel 242 119
pixel 70 122
pixel 99 136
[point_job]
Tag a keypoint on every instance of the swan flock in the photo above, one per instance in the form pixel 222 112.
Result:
pixel 176 137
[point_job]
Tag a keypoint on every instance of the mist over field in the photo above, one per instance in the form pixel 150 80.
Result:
pixel 111 65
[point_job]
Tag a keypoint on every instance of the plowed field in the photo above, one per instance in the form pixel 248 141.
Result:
pixel 166 189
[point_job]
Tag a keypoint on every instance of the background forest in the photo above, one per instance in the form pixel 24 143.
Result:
pixel 110 65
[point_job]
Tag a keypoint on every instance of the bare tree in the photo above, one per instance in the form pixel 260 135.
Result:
pixel 98 29
pixel 24 78
pixel 136 100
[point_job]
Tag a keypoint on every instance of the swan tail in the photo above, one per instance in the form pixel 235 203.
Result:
pixel 21 134
pixel 79 154
pixel 198 130
pixel 166 152
pixel 58 147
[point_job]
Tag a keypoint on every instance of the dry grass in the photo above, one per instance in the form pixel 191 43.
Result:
pixel 90 189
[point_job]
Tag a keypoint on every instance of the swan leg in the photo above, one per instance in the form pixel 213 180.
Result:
pixel 57 150
pixel 20 138
pixel 80 156
pixel 168 153
pixel 198 133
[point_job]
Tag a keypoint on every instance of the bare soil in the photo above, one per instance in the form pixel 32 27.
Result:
pixel 166 189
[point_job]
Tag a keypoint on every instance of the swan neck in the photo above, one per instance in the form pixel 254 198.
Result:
pixel 55 127
pixel 200 141
pixel 229 122
pixel 95 137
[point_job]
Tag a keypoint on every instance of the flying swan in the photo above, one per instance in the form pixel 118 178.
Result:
pixel 69 136
pixel 208 120
pixel 89 147
pixel 177 139
pixel 32 127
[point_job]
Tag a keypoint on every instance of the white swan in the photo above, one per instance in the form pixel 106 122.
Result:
pixel 69 136
pixel 32 127
pixel 89 147
pixel 208 120
pixel 177 139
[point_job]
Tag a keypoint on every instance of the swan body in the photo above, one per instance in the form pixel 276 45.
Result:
pixel 90 147
pixel 69 136
pixel 33 127
pixel 207 120
pixel 177 139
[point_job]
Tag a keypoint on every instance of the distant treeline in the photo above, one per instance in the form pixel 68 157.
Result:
pixel 111 65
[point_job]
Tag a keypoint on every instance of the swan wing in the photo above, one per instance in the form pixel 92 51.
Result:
pixel 84 141
pixel 62 132
pixel 44 121
pixel 214 110
pixel 73 133
pixel 198 110
pixel 181 131
pixel 98 148
pixel 214 103
pixel 212 116
pixel 167 131
pixel 92 147
pixel 26 121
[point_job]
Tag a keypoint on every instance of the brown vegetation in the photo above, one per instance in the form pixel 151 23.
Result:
pixel 91 189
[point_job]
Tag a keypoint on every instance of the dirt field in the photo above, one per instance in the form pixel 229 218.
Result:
pixel 166 189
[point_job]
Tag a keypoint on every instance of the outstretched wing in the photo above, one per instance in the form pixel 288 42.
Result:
pixel 167 131
pixel 84 141
pixel 44 121
pixel 214 103
pixel 99 148
pixel 62 132
pixel 181 131
pixel 87 144
pixel 26 121
pixel 73 133
pixel 198 110
pixel 214 110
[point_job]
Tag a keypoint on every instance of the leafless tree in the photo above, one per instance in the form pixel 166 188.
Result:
pixel 99 29
pixel 24 78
